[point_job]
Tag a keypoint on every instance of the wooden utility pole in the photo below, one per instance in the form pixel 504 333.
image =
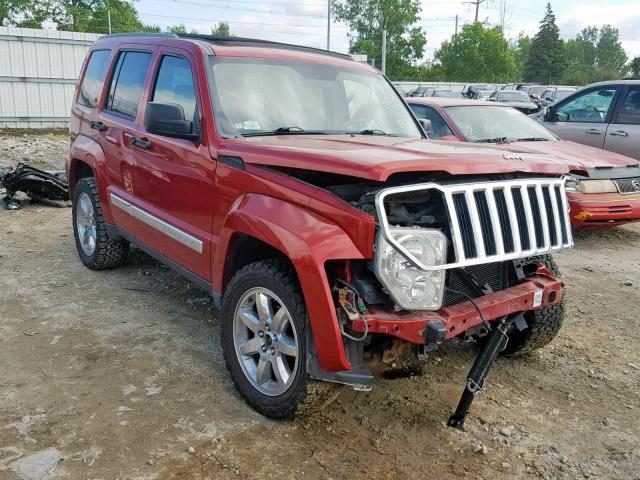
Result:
pixel 477 4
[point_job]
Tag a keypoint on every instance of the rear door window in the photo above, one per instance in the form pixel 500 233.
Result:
pixel 127 83
pixel 93 78
pixel 175 85
pixel 629 111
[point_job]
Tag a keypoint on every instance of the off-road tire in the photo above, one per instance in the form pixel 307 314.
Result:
pixel 109 252
pixel 278 276
pixel 543 324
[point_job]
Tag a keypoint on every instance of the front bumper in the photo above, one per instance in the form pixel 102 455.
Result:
pixel 603 210
pixel 536 292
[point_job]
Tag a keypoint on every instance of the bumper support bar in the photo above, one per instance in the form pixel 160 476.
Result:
pixel 496 342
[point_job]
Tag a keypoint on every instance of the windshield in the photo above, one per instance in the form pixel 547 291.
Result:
pixel 513 97
pixel 536 90
pixel 447 94
pixel 257 96
pixel 560 94
pixel 485 123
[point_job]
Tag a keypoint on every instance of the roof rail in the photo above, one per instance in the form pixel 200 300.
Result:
pixel 260 43
pixel 141 34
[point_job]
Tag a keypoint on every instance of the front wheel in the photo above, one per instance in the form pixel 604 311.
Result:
pixel 264 337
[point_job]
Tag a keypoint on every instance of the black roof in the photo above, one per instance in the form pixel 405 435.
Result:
pixel 231 41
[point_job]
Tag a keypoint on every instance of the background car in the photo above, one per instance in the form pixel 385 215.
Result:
pixel 446 93
pixel 422 92
pixel 604 115
pixel 534 91
pixel 516 99
pixel 607 197
pixel 554 94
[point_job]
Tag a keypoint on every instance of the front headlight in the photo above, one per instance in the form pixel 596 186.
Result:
pixel 410 287
pixel 572 185
pixel 597 186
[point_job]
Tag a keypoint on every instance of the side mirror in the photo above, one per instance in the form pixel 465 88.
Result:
pixel 549 114
pixel 167 119
pixel 425 124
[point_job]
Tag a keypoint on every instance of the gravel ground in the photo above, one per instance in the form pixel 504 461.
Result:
pixel 121 374
pixel 44 151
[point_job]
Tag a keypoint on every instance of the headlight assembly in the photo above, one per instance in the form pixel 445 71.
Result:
pixel 597 186
pixel 410 287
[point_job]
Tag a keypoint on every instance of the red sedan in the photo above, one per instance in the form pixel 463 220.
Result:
pixel 609 196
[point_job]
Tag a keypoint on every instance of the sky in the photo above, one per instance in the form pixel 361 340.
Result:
pixel 304 22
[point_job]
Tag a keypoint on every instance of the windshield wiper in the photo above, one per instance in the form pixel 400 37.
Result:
pixel 372 131
pixel 530 139
pixel 285 131
pixel 493 140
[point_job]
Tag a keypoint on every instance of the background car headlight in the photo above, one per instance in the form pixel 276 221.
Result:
pixel 410 287
pixel 597 186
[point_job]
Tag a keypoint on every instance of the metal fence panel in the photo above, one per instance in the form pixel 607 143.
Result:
pixel 38 74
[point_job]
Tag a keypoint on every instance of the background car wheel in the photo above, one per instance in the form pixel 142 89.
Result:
pixel 96 248
pixel 543 324
pixel 264 337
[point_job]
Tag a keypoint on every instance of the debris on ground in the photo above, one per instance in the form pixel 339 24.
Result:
pixel 50 188
pixel 36 466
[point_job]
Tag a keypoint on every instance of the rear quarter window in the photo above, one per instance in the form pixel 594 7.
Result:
pixel 93 78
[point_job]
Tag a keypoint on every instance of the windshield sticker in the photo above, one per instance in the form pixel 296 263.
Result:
pixel 248 125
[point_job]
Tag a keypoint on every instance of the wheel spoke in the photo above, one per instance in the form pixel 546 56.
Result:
pixel 264 307
pixel 279 321
pixel 251 346
pixel 280 369
pixel 249 319
pixel 287 346
pixel 263 372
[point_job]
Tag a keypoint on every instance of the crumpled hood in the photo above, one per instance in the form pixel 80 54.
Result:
pixel 378 157
pixel 572 153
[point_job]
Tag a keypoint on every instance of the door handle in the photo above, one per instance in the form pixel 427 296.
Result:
pixel 595 131
pixel 619 133
pixel 141 142
pixel 99 126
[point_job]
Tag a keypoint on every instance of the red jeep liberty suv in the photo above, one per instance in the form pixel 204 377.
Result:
pixel 297 187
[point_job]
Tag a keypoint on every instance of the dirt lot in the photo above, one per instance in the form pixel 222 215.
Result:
pixel 121 372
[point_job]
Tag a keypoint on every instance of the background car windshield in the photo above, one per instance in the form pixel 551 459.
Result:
pixel 481 122
pixel 513 97
pixel 254 96
pixel 536 90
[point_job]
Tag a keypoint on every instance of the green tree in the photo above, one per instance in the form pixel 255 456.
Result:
pixel 546 61
pixel 594 55
pixel 477 54
pixel 367 19
pixel 221 30
pixel 124 17
pixel 611 59
pixel 634 66
pixel 23 13
pixel 520 49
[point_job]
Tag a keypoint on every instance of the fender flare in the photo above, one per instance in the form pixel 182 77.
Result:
pixel 308 240
pixel 85 149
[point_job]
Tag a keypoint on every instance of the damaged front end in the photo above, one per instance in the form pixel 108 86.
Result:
pixel 50 188
pixel 451 261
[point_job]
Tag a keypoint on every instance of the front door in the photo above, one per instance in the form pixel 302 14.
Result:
pixel 583 118
pixel 623 134
pixel 173 178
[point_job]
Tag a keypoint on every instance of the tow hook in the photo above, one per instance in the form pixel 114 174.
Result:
pixel 496 342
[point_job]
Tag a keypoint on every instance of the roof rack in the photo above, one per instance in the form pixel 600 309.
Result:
pixel 141 34
pixel 261 43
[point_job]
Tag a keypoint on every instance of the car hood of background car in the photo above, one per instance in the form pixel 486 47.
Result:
pixel 529 105
pixel 589 157
pixel 378 157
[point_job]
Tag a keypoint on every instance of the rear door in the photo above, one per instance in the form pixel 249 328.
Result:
pixel 116 127
pixel 583 118
pixel 623 134
pixel 173 178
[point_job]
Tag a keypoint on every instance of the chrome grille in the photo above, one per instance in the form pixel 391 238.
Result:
pixel 628 185
pixel 495 221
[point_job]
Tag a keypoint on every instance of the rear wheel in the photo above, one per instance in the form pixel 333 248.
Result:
pixel 96 248
pixel 264 337
pixel 542 325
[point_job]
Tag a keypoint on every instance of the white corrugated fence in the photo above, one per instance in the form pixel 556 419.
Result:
pixel 38 73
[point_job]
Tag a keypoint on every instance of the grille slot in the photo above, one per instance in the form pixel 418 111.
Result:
pixel 495 221
pixel 628 185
